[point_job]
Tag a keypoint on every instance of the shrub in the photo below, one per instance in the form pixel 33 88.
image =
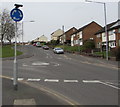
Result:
pixel 116 53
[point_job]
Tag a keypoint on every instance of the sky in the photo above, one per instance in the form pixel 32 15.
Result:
pixel 52 15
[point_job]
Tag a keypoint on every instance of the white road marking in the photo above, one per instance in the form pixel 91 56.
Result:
pixel 59 58
pixel 112 83
pixel 40 63
pixel 109 85
pixel 91 81
pixel 51 80
pixel 19 79
pixel 24 65
pixel 104 83
pixel 55 64
pixel 29 79
pixel 70 80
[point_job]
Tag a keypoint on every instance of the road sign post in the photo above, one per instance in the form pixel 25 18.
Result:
pixel 17 15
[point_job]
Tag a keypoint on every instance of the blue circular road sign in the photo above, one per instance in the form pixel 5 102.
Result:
pixel 16 14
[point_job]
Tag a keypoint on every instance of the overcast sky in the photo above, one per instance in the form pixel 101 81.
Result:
pixel 50 16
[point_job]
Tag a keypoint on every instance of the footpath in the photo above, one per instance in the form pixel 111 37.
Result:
pixel 25 95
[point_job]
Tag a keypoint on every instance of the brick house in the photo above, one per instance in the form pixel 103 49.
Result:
pixel 86 32
pixel 66 37
pixel 113 33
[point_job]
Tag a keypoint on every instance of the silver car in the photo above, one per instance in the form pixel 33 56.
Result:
pixel 58 50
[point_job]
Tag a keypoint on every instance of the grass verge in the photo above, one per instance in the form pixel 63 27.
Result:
pixel 8 51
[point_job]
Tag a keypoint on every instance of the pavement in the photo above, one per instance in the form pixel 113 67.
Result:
pixel 25 95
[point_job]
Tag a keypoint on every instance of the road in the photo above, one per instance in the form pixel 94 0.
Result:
pixel 74 79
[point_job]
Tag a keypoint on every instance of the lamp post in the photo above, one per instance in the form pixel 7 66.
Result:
pixel 63 37
pixel 105 25
pixel 23 29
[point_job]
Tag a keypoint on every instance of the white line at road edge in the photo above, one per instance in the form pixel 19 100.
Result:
pixel 51 80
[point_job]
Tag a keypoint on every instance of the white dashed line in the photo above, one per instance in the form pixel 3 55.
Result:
pixel 24 65
pixel 91 81
pixel 40 63
pixel 51 80
pixel 70 80
pixel 19 79
pixel 29 79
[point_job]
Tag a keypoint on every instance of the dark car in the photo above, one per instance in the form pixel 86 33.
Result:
pixel 45 47
pixel 34 44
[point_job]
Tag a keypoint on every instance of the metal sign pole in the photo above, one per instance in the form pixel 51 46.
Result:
pixel 17 15
pixel 15 60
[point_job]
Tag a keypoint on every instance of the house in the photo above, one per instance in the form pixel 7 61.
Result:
pixel 66 37
pixel 55 35
pixel 113 33
pixel 41 39
pixel 84 33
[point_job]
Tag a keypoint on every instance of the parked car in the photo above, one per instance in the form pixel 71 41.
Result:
pixel 34 44
pixel 38 44
pixel 58 50
pixel 45 47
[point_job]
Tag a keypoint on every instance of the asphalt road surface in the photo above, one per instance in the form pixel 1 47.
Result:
pixel 74 79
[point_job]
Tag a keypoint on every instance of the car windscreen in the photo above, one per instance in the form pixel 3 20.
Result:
pixel 58 49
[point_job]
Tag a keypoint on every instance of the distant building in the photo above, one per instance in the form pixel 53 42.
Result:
pixel 41 39
pixel 66 37
pixel 55 35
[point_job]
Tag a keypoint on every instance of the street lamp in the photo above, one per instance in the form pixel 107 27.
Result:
pixel 23 29
pixel 105 25
pixel 63 37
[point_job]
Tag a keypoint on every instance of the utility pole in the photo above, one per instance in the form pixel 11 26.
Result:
pixel 63 37
pixel 23 29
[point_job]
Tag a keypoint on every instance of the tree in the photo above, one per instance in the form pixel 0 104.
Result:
pixel 88 46
pixel 7 26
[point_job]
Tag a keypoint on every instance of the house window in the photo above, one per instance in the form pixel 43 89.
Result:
pixel 103 35
pixel 98 36
pixel 110 32
pixel 91 38
pixel 119 42
pixel 113 44
pixel 98 45
pixel 119 30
